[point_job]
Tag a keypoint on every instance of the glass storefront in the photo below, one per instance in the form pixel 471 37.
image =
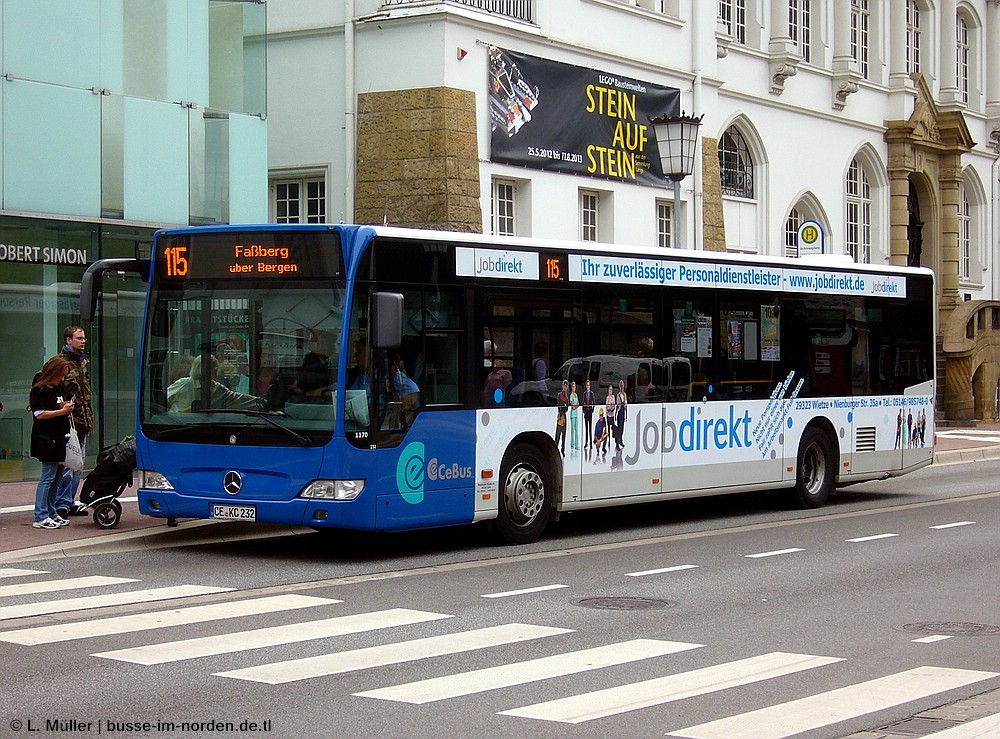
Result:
pixel 42 261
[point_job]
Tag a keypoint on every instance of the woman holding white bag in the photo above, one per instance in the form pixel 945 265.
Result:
pixel 51 412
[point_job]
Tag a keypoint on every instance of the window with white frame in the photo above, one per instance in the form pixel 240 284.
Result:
pixel 800 26
pixel 664 224
pixel 590 203
pixel 861 23
pixel 792 224
pixel 735 164
pixel 733 14
pixel 858 208
pixel 301 200
pixel 912 36
pixel 502 207
pixel 964 234
pixel 962 56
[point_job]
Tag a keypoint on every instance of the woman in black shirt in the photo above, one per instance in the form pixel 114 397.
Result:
pixel 48 439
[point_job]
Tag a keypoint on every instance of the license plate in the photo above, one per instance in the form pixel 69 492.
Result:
pixel 235 512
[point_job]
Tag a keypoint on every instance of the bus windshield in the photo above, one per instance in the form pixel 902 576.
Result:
pixel 251 358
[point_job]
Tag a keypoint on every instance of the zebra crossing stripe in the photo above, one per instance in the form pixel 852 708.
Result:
pixel 390 654
pixel 161 619
pixel 16 572
pixel 834 706
pixel 157 654
pixel 52 586
pixel 612 701
pixel 519 673
pixel 108 599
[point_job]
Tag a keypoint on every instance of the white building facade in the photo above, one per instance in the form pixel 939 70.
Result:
pixel 877 119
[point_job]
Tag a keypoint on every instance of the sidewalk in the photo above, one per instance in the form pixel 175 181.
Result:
pixel 19 541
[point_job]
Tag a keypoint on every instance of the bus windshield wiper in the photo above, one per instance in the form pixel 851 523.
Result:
pixel 266 415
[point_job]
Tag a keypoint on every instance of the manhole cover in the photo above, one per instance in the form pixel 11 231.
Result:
pixel 623 604
pixel 952 628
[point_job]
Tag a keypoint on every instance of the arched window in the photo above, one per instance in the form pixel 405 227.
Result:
pixel 733 15
pixel 964 234
pixel 735 165
pixel 792 233
pixel 800 26
pixel 858 208
pixel 912 36
pixel 861 31
pixel 962 58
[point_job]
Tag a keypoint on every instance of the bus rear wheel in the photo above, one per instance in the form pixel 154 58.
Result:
pixel 526 497
pixel 815 470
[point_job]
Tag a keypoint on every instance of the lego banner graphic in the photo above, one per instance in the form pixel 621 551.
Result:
pixel 561 118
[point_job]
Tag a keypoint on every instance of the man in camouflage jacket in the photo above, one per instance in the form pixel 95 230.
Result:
pixel 76 385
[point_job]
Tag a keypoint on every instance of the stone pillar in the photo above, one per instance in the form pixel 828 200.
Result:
pixel 418 159
pixel 900 165
pixel 898 76
pixel 949 53
pixel 713 215
pixel 949 181
pixel 993 60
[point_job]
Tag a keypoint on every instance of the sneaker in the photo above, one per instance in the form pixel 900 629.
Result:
pixel 46 523
pixel 60 520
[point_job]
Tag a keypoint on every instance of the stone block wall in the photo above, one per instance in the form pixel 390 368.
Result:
pixel 418 159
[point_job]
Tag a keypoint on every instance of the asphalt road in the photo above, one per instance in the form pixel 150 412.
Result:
pixel 663 619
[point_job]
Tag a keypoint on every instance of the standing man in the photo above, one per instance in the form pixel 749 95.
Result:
pixel 76 387
pixel 589 399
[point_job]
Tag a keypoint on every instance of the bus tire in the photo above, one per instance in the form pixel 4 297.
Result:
pixel 815 470
pixel 525 495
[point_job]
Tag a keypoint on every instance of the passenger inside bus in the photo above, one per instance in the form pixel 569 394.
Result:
pixel 184 395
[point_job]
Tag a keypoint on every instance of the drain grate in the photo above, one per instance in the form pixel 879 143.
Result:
pixel 920 726
pixel 952 628
pixel 612 603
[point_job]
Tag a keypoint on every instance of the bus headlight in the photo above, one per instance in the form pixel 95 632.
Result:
pixel 152 480
pixel 333 489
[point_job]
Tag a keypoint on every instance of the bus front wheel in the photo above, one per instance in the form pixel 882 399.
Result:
pixel 815 471
pixel 526 497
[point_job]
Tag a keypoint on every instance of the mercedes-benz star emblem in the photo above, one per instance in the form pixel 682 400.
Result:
pixel 233 482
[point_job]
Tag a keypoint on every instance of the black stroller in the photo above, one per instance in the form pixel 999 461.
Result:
pixel 111 475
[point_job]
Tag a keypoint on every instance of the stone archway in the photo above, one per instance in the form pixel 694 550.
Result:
pixel 925 172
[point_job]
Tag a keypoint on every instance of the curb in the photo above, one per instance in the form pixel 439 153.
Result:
pixel 192 533
pixel 189 533
pixel 959 456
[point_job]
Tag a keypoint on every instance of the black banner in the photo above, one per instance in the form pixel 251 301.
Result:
pixel 561 118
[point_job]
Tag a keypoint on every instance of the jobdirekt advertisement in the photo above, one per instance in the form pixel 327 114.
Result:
pixel 562 118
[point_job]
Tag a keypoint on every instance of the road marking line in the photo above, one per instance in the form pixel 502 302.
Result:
pixel 539 589
pixel 773 554
pixel 109 599
pixel 14 572
pixel 872 538
pixel 175 651
pixel 824 709
pixel 519 673
pixel 612 701
pixel 931 639
pixel 52 586
pixel 337 663
pixel 952 525
pixel 162 619
pixel 660 571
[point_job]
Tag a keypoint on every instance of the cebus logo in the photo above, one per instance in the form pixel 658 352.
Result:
pixel 410 471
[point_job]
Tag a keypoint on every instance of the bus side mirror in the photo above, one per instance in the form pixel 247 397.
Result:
pixel 90 285
pixel 387 326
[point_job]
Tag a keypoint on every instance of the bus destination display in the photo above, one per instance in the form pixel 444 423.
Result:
pixel 249 255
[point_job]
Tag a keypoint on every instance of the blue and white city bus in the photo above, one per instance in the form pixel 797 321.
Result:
pixel 386 379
